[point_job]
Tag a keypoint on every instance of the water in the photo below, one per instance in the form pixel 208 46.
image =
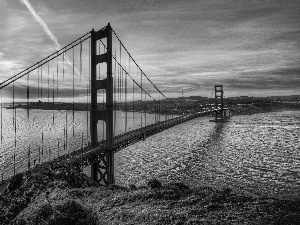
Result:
pixel 37 135
pixel 258 154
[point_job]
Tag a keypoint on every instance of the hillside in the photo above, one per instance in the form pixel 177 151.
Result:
pixel 56 194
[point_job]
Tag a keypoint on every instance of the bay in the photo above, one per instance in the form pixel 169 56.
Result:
pixel 258 155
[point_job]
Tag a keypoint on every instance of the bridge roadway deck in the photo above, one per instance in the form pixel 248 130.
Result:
pixel 86 156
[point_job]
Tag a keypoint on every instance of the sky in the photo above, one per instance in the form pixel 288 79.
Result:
pixel 251 47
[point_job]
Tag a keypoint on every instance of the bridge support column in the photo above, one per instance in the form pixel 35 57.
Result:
pixel 105 164
pixel 219 104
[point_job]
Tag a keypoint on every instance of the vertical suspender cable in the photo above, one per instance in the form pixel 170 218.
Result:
pixel 15 129
pixel 27 97
pixel 133 103
pixel 1 118
pixel 74 81
pixel 64 138
pixel 120 71
pixel 169 109
pixel 73 70
pixel 130 105
pixel 14 162
pixel 119 90
pixel 115 112
pixel 57 146
pixel 67 130
pixel 53 99
pixel 48 87
pixel 120 82
pixel 15 115
pixel 121 74
pixel 58 149
pixel 81 152
pixel 80 59
pixel 41 83
pixel 42 103
pixel 57 76
pixel 121 85
pixel 42 145
pixel 125 100
pixel 63 66
pixel 156 110
pixel 155 113
pixel 42 151
pixel 28 117
pixel 166 111
pixel 159 108
pixel 122 89
pixel 38 71
pixel 145 109
pixel 141 99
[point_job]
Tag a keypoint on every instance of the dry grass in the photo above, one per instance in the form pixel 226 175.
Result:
pixel 63 196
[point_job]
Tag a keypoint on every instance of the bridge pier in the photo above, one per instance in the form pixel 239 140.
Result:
pixel 105 164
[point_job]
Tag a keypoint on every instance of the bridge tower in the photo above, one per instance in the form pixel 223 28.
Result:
pixel 104 166
pixel 221 113
pixel 219 103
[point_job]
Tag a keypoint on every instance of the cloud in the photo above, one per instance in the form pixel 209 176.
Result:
pixel 3 3
pixel 21 41
pixel 7 66
pixel 194 44
pixel 48 31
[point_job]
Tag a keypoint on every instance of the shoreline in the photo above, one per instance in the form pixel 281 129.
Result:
pixel 250 111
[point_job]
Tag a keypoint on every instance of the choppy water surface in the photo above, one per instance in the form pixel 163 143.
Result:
pixel 258 154
pixel 41 135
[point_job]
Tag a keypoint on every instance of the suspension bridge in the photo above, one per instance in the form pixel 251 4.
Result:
pixel 82 104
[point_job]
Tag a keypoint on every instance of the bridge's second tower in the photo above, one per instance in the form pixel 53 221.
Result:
pixel 104 164
pixel 221 113
pixel 219 103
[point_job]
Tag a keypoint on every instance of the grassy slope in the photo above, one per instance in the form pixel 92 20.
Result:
pixel 58 195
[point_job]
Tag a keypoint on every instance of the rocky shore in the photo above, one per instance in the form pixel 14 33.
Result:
pixel 57 194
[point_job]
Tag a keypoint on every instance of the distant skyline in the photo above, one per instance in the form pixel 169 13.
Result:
pixel 252 47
